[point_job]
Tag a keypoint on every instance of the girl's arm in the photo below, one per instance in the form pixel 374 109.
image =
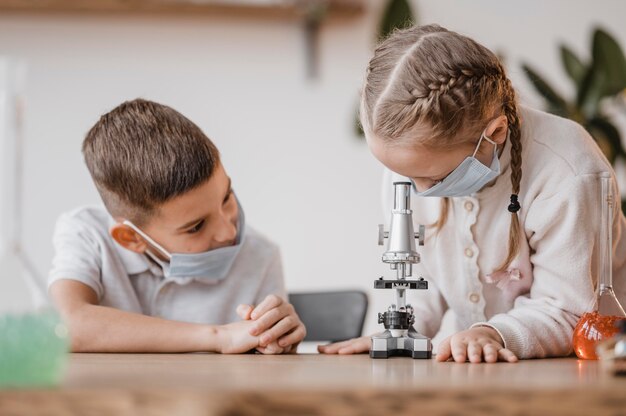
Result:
pixel 562 231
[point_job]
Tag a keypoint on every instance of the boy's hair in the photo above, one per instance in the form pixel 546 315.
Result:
pixel 141 154
pixel 430 77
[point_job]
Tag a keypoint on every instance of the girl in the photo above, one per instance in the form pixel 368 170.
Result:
pixel 510 253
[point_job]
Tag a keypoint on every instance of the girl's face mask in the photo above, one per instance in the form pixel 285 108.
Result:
pixel 469 177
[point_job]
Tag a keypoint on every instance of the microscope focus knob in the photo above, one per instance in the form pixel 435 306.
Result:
pixel 382 234
pixel 421 234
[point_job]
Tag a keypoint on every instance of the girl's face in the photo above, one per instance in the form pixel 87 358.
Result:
pixel 426 166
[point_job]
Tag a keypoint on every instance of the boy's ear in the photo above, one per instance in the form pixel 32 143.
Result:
pixel 128 238
pixel 497 129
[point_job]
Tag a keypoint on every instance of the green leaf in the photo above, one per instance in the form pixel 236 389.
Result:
pixel 609 58
pixel 603 129
pixel 591 91
pixel 398 14
pixel 556 103
pixel 573 66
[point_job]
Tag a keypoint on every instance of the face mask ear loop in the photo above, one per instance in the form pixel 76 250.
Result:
pixel 154 257
pixel 150 240
pixel 484 136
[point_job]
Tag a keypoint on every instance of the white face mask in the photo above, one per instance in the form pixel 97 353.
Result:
pixel 212 265
pixel 469 177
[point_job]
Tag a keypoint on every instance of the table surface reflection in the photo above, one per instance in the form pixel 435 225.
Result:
pixel 207 384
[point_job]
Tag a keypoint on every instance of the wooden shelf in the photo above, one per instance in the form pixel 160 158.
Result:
pixel 282 8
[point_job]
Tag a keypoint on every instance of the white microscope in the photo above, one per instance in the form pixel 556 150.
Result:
pixel 400 337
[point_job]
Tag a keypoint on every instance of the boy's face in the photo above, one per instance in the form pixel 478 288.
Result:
pixel 202 219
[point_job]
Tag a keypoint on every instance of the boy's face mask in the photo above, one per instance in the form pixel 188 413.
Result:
pixel 469 177
pixel 212 265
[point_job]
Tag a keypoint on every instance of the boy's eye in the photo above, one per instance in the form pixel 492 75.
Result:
pixel 196 228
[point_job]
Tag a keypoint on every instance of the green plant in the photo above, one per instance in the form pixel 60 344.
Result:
pixel 602 77
pixel 397 14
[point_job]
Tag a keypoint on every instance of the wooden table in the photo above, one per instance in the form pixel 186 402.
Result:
pixel 210 384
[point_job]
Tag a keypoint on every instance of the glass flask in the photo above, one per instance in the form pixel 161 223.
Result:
pixel 33 341
pixel 601 323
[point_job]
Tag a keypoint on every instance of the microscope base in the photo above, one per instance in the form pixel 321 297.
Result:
pixel 413 344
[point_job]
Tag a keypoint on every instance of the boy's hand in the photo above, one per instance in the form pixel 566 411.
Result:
pixel 476 344
pixel 244 312
pixel 235 338
pixel 273 349
pixel 351 346
pixel 274 320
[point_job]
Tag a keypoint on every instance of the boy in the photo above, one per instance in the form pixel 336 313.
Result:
pixel 165 268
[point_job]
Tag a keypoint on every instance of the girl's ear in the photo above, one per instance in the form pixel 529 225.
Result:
pixel 497 129
pixel 128 238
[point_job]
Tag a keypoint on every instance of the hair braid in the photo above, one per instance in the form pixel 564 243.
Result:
pixel 510 110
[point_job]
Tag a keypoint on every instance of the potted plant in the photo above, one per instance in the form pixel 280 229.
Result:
pixel 599 81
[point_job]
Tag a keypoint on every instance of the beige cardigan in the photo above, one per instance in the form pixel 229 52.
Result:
pixel 536 305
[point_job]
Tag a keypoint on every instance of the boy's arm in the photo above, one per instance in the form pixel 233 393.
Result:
pixel 95 328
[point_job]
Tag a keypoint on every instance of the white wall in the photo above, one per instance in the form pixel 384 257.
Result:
pixel 288 143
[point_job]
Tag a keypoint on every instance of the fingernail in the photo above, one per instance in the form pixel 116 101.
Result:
pixel 265 339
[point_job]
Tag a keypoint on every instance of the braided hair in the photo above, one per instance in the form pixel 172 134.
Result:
pixel 430 77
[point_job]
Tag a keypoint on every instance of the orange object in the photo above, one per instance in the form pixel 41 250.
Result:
pixel 592 328
pixel 600 324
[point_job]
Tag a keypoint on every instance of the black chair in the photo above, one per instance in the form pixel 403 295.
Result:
pixel 331 316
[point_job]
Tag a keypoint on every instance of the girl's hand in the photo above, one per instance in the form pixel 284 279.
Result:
pixel 351 346
pixel 476 344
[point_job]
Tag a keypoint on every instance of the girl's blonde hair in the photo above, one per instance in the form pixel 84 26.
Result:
pixel 427 77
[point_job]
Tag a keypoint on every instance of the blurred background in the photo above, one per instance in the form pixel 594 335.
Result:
pixel 275 85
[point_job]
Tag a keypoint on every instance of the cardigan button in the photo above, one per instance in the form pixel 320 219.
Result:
pixel 469 206
pixel 469 252
pixel 474 297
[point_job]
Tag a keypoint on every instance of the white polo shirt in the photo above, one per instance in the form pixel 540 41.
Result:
pixel 123 279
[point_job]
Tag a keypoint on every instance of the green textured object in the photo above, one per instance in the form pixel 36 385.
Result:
pixel 33 350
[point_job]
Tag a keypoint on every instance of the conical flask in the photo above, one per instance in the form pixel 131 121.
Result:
pixel 601 323
pixel 33 340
